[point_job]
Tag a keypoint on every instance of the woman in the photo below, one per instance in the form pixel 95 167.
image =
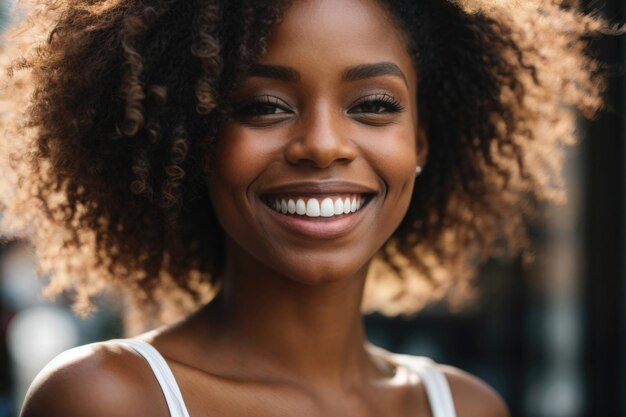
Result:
pixel 260 160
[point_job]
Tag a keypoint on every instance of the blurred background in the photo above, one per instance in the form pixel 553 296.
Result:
pixel 550 339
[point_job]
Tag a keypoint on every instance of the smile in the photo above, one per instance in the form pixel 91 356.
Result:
pixel 327 216
pixel 320 206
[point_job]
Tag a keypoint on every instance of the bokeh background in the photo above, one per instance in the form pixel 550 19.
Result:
pixel 551 339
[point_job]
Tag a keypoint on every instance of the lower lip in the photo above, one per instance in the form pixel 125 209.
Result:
pixel 319 227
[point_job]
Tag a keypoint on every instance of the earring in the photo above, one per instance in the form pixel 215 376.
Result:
pixel 418 170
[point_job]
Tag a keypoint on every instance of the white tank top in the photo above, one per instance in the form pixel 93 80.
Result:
pixel 435 382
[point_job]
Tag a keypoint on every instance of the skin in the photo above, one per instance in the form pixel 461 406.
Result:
pixel 286 336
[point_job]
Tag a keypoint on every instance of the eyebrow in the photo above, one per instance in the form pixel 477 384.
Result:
pixel 275 72
pixel 356 73
pixel 361 72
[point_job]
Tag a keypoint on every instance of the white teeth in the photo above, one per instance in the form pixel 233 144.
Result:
pixel 300 207
pixel 327 208
pixel 313 208
pixel 338 206
pixel 346 206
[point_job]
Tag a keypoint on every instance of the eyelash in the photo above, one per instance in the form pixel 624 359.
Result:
pixel 389 103
pixel 247 108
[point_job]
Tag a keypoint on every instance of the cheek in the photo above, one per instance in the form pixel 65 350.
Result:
pixel 238 161
pixel 391 154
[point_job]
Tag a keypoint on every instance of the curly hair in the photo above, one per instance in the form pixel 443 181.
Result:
pixel 109 115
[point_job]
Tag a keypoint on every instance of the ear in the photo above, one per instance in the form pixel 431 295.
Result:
pixel 421 146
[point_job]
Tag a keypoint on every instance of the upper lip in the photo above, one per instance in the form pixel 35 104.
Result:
pixel 318 187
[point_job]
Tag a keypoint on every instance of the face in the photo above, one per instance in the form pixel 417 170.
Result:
pixel 315 169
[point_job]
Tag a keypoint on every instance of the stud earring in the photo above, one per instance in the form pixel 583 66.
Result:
pixel 418 170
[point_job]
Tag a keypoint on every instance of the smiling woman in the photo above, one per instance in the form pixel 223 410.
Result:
pixel 256 175
pixel 319 133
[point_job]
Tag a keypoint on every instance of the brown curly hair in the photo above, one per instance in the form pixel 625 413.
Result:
pixel 109 116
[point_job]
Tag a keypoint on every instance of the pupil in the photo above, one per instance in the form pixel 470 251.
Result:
pixel 371 107
pixel 264 109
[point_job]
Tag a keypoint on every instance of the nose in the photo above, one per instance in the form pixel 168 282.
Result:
pixel 320 139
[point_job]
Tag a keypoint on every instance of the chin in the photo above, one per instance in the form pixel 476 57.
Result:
pixel 327 273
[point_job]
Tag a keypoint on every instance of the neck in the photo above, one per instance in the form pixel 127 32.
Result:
pixel 303 332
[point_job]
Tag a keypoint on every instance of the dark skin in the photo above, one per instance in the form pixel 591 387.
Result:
pixel 286 336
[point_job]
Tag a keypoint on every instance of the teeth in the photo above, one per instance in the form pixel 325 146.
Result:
pixel 312 208
pixel 338 207
pixel 291 207
pixel 346 206
pixel 322 207
pixel 327 208
pixel 300 207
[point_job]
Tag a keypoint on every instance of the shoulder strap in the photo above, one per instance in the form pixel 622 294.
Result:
pixel 163 374
pixel 435 383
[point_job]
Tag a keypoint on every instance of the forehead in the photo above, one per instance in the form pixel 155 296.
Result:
pixel 342 32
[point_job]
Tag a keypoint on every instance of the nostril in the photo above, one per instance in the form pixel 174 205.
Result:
pixel 320 150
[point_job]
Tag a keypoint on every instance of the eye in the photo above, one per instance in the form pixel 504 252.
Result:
pixel 376 104
pixel 262 106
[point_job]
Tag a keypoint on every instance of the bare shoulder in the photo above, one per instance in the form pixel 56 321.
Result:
pixel 472 396
pixel 99 379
